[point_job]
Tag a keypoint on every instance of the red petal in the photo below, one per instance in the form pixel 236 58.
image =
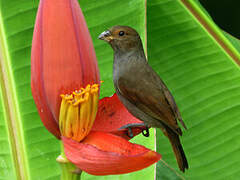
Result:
pixel 63 57
pixel 112 115
pixel 104 154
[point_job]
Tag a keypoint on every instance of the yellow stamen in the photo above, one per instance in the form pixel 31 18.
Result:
pixel 78 112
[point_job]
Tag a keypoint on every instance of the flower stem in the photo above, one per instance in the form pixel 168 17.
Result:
pixel 69 170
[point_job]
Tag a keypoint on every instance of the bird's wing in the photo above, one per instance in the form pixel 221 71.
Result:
pixel 148 94
pixel 172 103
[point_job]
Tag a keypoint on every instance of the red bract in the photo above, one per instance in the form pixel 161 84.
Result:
pixel 104 154
pixel 65 87
pixel 63 57
pixel 112 115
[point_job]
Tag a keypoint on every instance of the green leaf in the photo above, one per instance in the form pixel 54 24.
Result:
pixel 200 69
pixel 36 149
pixel 7 169
pixel 235 42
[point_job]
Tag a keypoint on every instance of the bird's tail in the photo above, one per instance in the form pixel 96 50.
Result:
pixel 177 149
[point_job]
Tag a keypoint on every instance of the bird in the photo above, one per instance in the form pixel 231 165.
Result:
pixel 141 90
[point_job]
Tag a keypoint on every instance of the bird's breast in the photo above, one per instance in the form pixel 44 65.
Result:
pixel 120 68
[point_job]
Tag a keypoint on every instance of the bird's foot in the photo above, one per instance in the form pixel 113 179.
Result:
pixel 145 131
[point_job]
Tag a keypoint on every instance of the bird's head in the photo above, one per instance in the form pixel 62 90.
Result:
pixel 121 38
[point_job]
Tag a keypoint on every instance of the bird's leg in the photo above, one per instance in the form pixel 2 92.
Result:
pixel 145 132
pixel 129 127
pixel 130 133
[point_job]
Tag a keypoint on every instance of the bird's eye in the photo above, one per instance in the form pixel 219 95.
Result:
pixel 121 33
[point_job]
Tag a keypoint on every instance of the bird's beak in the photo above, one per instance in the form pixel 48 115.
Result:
pixel 106 36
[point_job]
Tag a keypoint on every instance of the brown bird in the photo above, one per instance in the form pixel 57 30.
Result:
pixel 141 90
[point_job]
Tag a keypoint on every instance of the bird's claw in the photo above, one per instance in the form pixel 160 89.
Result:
pixel 145 131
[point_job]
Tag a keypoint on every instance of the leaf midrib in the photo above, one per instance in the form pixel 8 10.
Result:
pixel 11 108
pixel 212 29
